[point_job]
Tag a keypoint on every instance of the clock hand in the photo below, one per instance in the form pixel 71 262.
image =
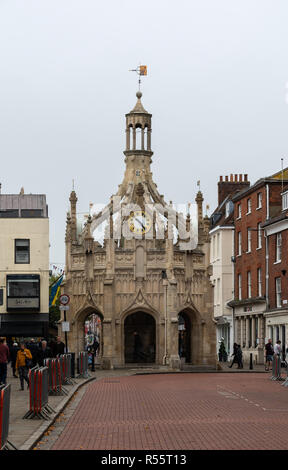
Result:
pixel 143 226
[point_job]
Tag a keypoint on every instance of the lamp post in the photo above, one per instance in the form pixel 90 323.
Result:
pixel 165 284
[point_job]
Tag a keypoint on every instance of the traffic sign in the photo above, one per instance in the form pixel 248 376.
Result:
pixel 64 299
pixel 65 326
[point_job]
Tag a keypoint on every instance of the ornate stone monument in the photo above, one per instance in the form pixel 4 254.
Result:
pixel 148 283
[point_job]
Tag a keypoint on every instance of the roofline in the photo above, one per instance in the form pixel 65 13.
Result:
pixel 261 182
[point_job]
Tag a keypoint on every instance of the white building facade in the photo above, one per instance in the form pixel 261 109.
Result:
pixel 222 279
pixel 24 266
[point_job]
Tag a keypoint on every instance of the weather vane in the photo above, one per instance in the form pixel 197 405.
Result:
pixel 141 70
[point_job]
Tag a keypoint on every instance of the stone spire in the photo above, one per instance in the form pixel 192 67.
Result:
pixel 73 202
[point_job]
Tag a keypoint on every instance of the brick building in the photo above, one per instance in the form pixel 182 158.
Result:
pixel 276 232
pixel 252 208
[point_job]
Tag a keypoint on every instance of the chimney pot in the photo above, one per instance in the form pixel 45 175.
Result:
pixel 245 177
pixel 240 178
pixel 231 177
pixel 221 178
pixel 226 178
pixel 235 178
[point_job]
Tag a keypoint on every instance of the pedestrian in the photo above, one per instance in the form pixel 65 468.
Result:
pixel 277 348
pixel 235 358
pixel 269 351
pixel 4 358
pixel 239 356
pixel 22 364
pixel 33 348
pixel 59 347
pixel 96 344
pixel 222 351
pixel 43 353
pixel 13 355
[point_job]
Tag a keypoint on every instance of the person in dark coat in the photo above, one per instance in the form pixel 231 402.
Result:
pixel 13 355
pixel 4 359
pixel 59 347
pixel 235 356
pixel 43 353
pixel 239 357
pixel 32 346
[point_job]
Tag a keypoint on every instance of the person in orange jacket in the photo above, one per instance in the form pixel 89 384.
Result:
pixel 22 364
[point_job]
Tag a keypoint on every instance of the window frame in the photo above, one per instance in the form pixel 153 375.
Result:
pixel 259 282
pixel 249 285
pixel 278 253
pixel 259 200
pixel 15 250
pixel 249 240
pixel 259 235
pixel 239 242
pixel 239 286
pixel 249 205
pixel 285 200
pixel 23 278
pixel 278 293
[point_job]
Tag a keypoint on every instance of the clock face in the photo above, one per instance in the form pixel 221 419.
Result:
pixel 139 222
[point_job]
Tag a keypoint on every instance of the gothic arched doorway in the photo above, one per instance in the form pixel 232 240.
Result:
pixel 93 338
pixel 139 338
pixel 184 337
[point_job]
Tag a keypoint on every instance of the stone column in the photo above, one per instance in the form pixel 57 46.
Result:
pixel 241 331
pixel 172 325
pixel 108 330
pixel 253 335
pixel 134 138
pixel 148 139
pixel 128 138
pixel 261 339
pixel 142 137
pixel 247 332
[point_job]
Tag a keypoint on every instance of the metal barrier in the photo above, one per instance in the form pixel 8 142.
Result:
pixel 65 361
pixel 83 365
pixel 38 394
pixel 276 368
pixel 55 375
pixel 5 391
pixel 285 383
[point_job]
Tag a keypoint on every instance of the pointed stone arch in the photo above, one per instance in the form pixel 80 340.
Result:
pixel 142 325
pixel 79 320
pixel 190 338
pixel 140 304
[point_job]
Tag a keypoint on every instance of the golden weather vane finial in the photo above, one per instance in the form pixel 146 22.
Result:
pixel 141 71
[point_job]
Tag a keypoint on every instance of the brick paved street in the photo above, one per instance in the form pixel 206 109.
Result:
pixel 177 411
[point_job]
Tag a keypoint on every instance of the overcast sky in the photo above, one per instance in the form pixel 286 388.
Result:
pixel 216 86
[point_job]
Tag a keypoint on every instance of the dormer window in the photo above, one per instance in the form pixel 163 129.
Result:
pixel 285 200
pixel 227 210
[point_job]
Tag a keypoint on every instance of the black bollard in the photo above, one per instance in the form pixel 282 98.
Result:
pixel 93 362
pixel 251 361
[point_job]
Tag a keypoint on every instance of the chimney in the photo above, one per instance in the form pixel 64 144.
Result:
pixel 235 184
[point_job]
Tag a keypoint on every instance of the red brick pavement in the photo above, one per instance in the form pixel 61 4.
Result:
pixel 180 411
